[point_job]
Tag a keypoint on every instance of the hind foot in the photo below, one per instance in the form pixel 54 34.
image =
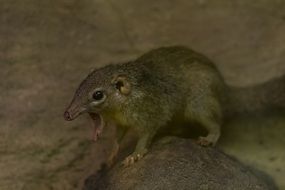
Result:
pixel 209 140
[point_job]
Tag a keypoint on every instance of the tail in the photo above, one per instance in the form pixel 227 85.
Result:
pixel 269 96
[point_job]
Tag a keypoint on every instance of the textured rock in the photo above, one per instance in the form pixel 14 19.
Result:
pixel 175 163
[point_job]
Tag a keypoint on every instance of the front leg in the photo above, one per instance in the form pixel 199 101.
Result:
pixel 141 149
pixel 120 133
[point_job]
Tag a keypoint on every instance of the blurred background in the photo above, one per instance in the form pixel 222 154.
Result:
pixel 48 47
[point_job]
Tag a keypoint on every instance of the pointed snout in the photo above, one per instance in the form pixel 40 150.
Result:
pixel 71 114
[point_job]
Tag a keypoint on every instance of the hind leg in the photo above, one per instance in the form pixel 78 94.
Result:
pixel 214 132
pixel 206 111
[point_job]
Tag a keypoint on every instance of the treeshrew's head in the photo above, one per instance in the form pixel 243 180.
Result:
pixel 103 90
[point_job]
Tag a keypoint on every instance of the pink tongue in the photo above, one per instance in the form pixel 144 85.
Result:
pixel 98 125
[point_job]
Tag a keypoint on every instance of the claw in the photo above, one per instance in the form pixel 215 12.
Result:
pixel 203 141
pixel 139 156
pixel 132 159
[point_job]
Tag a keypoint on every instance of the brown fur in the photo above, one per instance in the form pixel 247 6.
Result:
pixel 169 85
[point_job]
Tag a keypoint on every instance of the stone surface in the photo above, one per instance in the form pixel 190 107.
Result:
pixel 174 163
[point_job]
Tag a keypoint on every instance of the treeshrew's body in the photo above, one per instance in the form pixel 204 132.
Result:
pixel 166 85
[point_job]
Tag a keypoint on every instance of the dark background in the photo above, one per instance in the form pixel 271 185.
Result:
pixel 48 47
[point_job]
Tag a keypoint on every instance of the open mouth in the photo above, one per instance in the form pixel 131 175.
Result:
pixel 98 122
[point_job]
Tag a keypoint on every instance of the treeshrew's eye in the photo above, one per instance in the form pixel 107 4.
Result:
pixel 98 95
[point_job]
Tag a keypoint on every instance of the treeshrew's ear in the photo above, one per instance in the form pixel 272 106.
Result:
pixel 122 84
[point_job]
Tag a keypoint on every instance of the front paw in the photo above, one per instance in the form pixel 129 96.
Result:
pixel 131 159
